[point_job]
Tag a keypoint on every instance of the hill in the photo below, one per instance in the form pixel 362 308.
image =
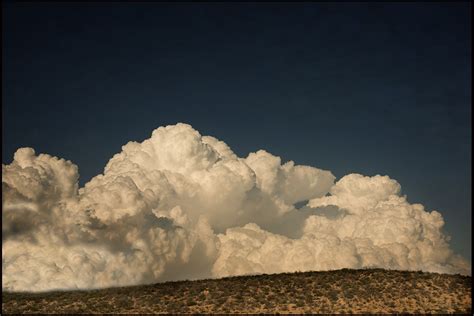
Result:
pixel 340 291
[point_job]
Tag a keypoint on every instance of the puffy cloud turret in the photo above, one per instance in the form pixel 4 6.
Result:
pixel 182 205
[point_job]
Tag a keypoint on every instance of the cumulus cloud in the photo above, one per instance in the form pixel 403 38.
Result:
pixel 181 205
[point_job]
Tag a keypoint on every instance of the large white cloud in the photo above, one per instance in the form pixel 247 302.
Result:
pixel 181 205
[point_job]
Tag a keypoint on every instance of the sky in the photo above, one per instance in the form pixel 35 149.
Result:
pixel 351 88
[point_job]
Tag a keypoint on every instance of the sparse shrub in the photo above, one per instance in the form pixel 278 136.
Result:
pixel 333 295
pixel 348 293
pixel 122 301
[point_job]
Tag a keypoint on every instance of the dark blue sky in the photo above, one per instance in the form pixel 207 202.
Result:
pixel 372 89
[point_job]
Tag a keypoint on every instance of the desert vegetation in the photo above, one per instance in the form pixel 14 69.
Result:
pixel 341 291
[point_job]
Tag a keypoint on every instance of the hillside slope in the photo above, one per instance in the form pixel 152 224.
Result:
pixel 341 291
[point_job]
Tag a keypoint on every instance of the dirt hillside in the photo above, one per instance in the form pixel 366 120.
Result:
pixel 341 291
